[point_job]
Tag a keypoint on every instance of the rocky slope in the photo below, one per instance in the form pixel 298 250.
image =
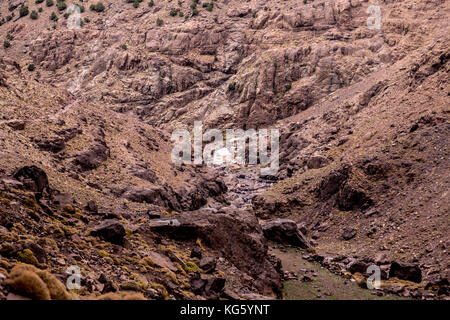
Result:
pixel 86 118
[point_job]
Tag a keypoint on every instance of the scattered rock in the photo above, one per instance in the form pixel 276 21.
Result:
pixel 196 252
pixel 92 206
pixel 348 234
pixel 17 125
pixel 52 145
pixel 162 261
pixel 306 279
pixel 316 162
pixel 208 264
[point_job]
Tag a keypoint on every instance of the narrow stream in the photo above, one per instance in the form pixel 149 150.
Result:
pixel 310 280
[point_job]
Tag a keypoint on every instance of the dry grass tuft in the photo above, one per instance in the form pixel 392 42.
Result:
pixel 35 283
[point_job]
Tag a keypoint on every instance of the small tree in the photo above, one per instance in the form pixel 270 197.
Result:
pixel 61 5
pixel 54 17
pixel 208 5
pixel 99 7
pixel 34 15
pixel 23 11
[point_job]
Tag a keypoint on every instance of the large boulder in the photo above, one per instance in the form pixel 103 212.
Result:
pixel 110 230
pixel 285 231
pixel 211 287
pixel 54 145
pixel 332 183
pixel 351 197
pixel 33 178
pixel 316 162
pixel 93 157
pixel 405 271
pixel 235 233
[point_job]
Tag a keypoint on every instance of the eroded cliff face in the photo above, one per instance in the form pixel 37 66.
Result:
pixel 363 115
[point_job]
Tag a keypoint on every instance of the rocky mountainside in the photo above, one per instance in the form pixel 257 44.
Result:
pixel 87 112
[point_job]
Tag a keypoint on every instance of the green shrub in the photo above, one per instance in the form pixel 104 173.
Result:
pixel 40 9
pixel 35 283
pixel 159 22
pixel 195 12
pixel 99 7
pixel 49 3
pixel 38 1
pixel 9 37
pixel 6 44
pixel 124 47
pixel 208 5
pixel 232 86
pixel 27 283
pixel 151 3
pixel 23 11
pixel 173 12
pixel 54 17
pixel 31 67
pixel 61 5
pixel 34 15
